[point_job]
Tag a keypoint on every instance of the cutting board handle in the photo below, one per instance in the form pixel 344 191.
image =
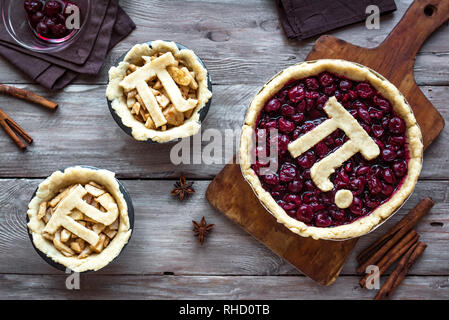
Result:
pixel 421 19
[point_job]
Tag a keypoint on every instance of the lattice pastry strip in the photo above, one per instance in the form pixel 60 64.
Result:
pixel 169 76
pixel 359 141
pixel 72 208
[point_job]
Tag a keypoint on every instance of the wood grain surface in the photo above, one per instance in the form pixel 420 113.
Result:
pixel 242 46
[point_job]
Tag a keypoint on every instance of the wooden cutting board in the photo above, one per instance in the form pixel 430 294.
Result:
pixel 394 58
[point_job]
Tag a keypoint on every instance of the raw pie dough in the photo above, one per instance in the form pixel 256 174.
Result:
pixel 49 188
pixel 118 80
pixel 354 72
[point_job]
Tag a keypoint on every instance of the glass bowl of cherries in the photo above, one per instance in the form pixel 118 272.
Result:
pixel 45 25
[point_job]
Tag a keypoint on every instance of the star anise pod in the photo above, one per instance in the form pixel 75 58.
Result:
pixel 201 229
pixel 182 188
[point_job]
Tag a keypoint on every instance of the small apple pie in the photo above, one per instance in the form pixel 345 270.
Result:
pixel 79 218
pixel 158 91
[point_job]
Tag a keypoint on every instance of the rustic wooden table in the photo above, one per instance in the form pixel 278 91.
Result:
pixel 243 46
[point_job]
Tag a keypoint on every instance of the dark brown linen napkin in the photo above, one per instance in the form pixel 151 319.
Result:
pixel 302 19
pixel 76 54
pixel 54 71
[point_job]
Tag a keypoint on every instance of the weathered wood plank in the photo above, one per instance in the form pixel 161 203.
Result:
pixel 243 43
pixel 163 239
pixel 231 264
pixel 82 131
pixel 209 287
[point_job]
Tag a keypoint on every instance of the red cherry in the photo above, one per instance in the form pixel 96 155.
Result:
pixel 364 90
pixel 356 206
pixel 396 125
pixel 364 115
pixel 364 170
pixel 345 85
pixel 36 18
pixel 371 203
pixel 357 185
pixel 312 83
pixel 338 215
pixel 32 6
pixel 298 118
pixel 374 185
pixel 322 220
pixel 295 186
pixel 307 160
pixel 52 8
pixel 377 130
pixel 388 155
pixel 321 149
pixel 382 103
pixel 398 141
pixel 293 198
pixel 305 213
pixel 387 189
pixel 326 79
pixel 285 125
pixel 296 133
pixel 271 179
pixel 400 168
pixel 42 29
pixel 287 110
pixel 272 105
pixel 330 89
pixel 50 23
pixel 59 30
pixel 60 18
pixel 309 197
pixel 296 94
pixel 348 167
pixel 272 124
pixel 287 206
pixel 283 142
pixel 388 176
pixel 301 107
pixel 288 172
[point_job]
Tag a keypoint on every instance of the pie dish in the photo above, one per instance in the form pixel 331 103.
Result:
pixel 159 91
pixel 331 148
pixel 79 218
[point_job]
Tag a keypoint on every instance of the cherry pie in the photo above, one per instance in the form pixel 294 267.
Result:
pixel 331 148
pixel 158 91
pixel 79 218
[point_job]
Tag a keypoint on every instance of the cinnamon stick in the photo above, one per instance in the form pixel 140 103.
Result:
pixel 394 254
pixel 376 251
pixel 413 258
pixel 401 270
pixel 28 96
pixel 8 125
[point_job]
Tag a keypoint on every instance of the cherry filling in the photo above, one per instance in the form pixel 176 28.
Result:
pixel 298 108
pixel 48 18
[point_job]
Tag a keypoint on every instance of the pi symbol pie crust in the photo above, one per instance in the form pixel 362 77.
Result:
pixel 348 150
pixel 359 141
